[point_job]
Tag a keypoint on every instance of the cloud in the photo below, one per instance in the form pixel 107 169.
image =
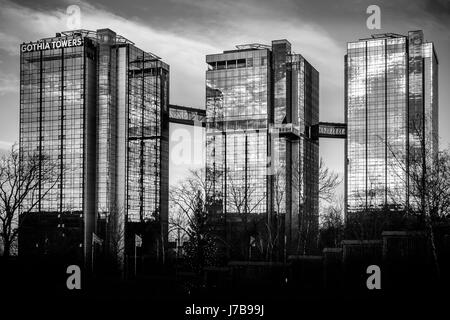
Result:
pixel 186 150
pixel 185 45
pixel 25 24
pixel 185 56
pixel 5 145
pixel 9 83
pixel 439 9
pixel 8 42
pixel 228 23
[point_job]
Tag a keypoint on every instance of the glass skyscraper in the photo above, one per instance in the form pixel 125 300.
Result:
pixel 97 107
pixel 391 105
pixel 261 102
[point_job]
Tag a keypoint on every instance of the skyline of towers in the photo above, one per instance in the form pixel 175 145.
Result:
pixel 98 106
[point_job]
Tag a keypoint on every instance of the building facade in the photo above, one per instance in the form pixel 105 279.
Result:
pixel 261 102
pixel 96 107
pixel 391 102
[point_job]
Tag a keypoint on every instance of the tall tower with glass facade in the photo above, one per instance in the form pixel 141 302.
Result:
pixel 96 106
pixel 391 101
pixel 262 162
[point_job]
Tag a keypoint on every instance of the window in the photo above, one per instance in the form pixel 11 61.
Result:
pixel 263 61
pixel 220 65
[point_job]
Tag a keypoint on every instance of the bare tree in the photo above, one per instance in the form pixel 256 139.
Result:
pixel 332 224
pixel 328 182
pixel 369 217
pixel 115 238
pixel 25 180
pixel 425 171
pixel 244 200
pixel 177 224
pixel 191 198
pixel 274 222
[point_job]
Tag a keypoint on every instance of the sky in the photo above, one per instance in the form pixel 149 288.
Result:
pixel 182 32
